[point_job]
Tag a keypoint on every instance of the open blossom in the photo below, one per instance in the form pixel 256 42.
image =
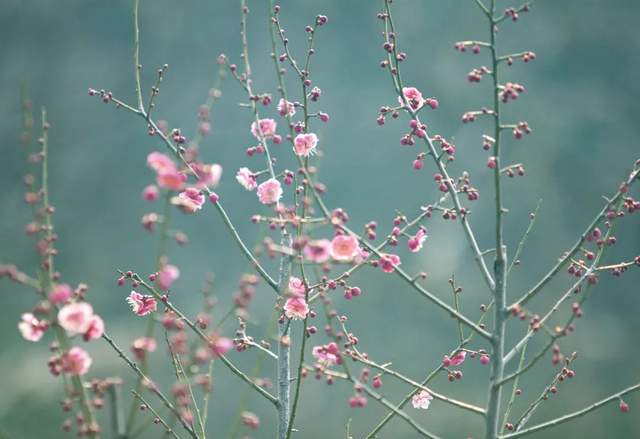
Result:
pixel 60 294
pixel 141 304
pixel 76 318
pixel 296 286
pixel 247 179
pixel 413 96
pixel 318 251
pixel 388 262
pixel 456 360
pixel 328 354
pixel 415 242
pixel 31 328
pixel 190 200
pixel 75 362
pixel 168 275
pixel 270 191
pixel 171 179
pixel 267 128
pixel 160 162
pixel 421 400
pixel 296 308
pixel 208 175
pixel 143 345
pixel 220 345
pixel 95 329
pixel 305 144
pixel 286 108
pixel 344 247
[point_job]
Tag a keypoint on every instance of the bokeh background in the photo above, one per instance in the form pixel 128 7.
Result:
pixel 581 101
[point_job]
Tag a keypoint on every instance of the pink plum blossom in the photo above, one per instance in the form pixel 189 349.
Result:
pixel 456 360
pixel 191 200
pixel 247 179
pixel 344 247
pixel 168 275
pixel 413 97
pixel 31 328
pixel 296 286
pixel 270 191
pixel 286 108
pixel 388 262
pixel 75 362
pixel 60 294
pixel 415 242
pixel 305 144
pixel 208 175
pixel 160 162
pixel 171 179
pixel 76 318
pixel 421 400
pixel 328 354
pixel 143 345
pixel 220 345
pixel 95 329
pixel 267 128
pixel 141 304
pixel 318 251
pixel 150 193
pixel 296 308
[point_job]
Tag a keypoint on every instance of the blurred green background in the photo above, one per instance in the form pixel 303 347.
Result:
pixel 581 101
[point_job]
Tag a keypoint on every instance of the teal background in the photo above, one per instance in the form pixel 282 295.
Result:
pixel 581 101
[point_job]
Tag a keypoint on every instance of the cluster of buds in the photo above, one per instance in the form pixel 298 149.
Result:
pixel 464 185
pixel 510 91
pixel 525 57
pixel 520 129
pixel 475 75
pixel 513 13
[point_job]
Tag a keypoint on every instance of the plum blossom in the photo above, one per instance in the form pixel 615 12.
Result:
pixel 328 354
pixel 160 162
pixel 31 328
pixel 270 191
pixel 247 179
pixel 267 128
pixel 141 304
pixel 286 108
pixel 168 275
pixel 415 242
pixel 318 251
pixel 344 247
pixel 421 400
pixel 305 144
pixel 296 286
pixel 190 200
pixel 75 362
pixel 208 175
pixel 413 97
pixel 171 179
pixel 250 420
pixel 76 318
pixel 220 345
pixel 60 294
pixel 95 329
pixel 296 308
pixel 143 345
pixel 388 262
pixel 456 360
pixel 150 193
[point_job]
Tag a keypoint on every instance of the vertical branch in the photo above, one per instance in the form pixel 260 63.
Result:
pixel 284 353
pixel 136 54
pixel 499 267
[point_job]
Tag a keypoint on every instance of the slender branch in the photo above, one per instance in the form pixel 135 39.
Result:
pixel 136 54
pixel 525 236
pixel 155 413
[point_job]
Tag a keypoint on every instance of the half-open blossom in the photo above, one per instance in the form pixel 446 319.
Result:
pixel 160 162
pixel 143 345
pixel 31 328
pixel 421 400
pixel 191 200
pixel 75 362
pixel 456 360
pixel 60 294
pixel 150 193
pixel 416 241
pixel 247 179
pixel 296 286
pixel 141 304
pixel 168 275
pixel 267 128
pixel 220 345
pixel 171 179
pixel 328 354
pixel 270 191
pixel 344 247
pixel 318 251
pixel 296 308
pixel 305 144
pixel 95 329
pixel 209 175
pixel 250 420
pixel 413 97
pixel 75 318
pixel 286 108
pixel 388 262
